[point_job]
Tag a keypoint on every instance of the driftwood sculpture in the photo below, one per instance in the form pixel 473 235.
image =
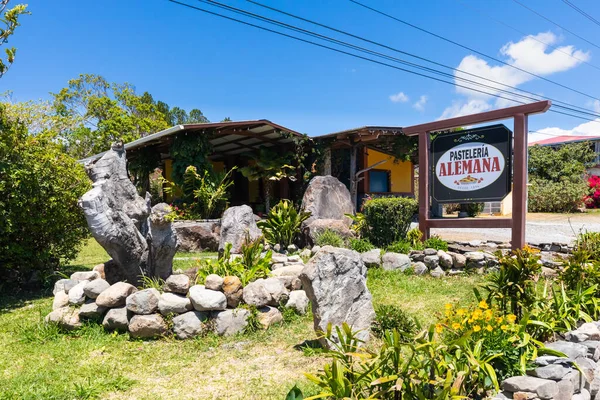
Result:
pixel 137 237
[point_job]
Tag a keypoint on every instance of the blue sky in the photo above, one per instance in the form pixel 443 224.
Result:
pixel 193 60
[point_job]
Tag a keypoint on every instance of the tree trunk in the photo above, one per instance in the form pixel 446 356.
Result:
pixel 268 188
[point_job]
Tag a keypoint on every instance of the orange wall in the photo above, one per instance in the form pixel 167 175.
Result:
pixel 401 172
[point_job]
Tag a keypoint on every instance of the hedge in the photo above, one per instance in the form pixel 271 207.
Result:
pixel 388 219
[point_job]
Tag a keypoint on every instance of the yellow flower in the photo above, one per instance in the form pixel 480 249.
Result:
pixel 489 328
pixel 488 314
pixel 456 326
pixel 439 328
pixel 511 318
pixel 483 304
pixel 461 311
pixel 476 314
pixel 448 313
pixel 448 306
pixel 499 320
pixel 504 327
pixel 476 328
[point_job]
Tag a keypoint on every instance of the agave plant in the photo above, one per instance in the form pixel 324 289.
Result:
pixel 282 224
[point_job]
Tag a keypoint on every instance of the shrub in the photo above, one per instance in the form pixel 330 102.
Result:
pixel 389 317
pixel 359 224
pixel 40 221
pixel 388 219
pixel 435 242
pixel 282 225
pixel 593 199
pixel 589 242
pixel 561 196
pixel 401 246
pixel 361 245
pixel 414 237
pixel 474 209
pixel 329 238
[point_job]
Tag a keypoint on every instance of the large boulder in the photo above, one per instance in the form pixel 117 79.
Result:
pixel 91 310
pixel 198 236
pixel 115 295
pixel 172 303
pixel 190 324
pixel 298 301
pixel 265 292
pixel 230 322
pixel 177 283
pixel 207 300
pixel 163 242
pixel 143 302
pixel 116 319
pixel 147 326
pixel 335 282
pixel 95 287
pixel 76 294
pixel 236 224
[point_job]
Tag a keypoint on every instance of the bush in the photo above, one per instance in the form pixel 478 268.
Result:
pixel 388 219
pixel 561 196
pixel 329 238
pixel 40 221
pixel 474 209
pixel 388 317
pixel 401 246
pixel 593 199
pixel 282 225
pixel 435 242
pixel 361 245
pixel 414 237
pixel 589 243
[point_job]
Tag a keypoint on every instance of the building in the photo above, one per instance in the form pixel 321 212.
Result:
pixel 557 141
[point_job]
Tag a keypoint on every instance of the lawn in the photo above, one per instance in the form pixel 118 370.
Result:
pixel 37 362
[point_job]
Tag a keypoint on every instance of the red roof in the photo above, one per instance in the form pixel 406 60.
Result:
pixel 563 139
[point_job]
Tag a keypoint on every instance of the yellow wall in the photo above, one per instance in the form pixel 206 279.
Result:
pixel 401 172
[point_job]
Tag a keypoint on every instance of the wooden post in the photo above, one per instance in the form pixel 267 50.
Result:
pixel 327 161
pixel 353 181
pixel 519 195
pixel 424 183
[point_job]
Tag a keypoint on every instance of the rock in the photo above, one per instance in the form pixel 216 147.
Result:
pixel 327 198
pixel 588 367
pixel 289 270
pixel 207 300
pixel 591 330
pixel 372 258
pixel 555 372
pixel 268 316
pixel 91 310
pixel 542 361
pixel 147 326
pixel 502 396
pixel 474 256
pixel 94 288
pixel 335 282
pixel 85 276
pixel 277 291
pixel 577 379
pixel 177 283
pixel 393 261
pixel 277 248
pixel 194 236
pixel 475 243
pixel 525 396
pixel 279 258
pixel 416 255
pixel 236 223
pixel 549 272
pixel 100 270
pixel 76 294
pixel 59 285
pixel 432 262
pixel 312 229
pixel 65 317
pixel 276 266
pixel 459 260
pixel 454 271
pixel 445 259
pixel 173 303
pixel 306 254
pixel 143 302
pixel 163 242
pixel 69 284
pixel 292 248
pixel 295 259
pixel 593 347
pixel 298 300
pixel 232 287
pixel 584 395
pixel 116 319
pixel 189 324
pixel 314 250
pixel 113 273
pixel 566 388
pixel 256 294
pixel 231 322
pixel 115 295
pixel 572 350
pixel 61 299
pixel 545 389
pixel 214 282
pixel 419 268
pixel 290 282
pixel 437 272
pixel 430 252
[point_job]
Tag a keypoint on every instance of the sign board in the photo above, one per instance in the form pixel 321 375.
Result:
pixel 472 166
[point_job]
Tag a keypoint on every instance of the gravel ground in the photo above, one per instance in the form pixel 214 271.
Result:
pixel 541 228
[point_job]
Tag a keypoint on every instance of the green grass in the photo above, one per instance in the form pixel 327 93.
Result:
pixel 40 362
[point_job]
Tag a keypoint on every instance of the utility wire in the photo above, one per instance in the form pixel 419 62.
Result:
pixel 463 3
pixel 354 55
pixel 580 11
pixel 471 49
pixel 554 23
pixel 418 66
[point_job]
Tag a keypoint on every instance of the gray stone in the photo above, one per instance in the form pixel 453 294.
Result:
pixel 76 294
pixel 298 300
pixel 231 322
pixel 61 299
pixel 232 287
pixel 207 300
pixel 173 303
pixel 327 198
pixel 306 254
pixel 100 270
pixel 459 260
pixel 335 283
pixel 419 268
pixel 289 270
pixel 566 389
pixel 542 361
pixel 95 287
pixel 290 282
pixel 189 324
pixel 214 282
pixel 279 294
pixel 91 310
pixel 432 262
pixel 85 276
pixel 584 395
pixel 276 266
pixel 555 372
pixel 593 347
pixel 545 389
pixel 576 336
pixel 143 302
pixel 177 283
pixel 572 350
pixel 393 261
pixel 65 317
pixel 195 236
pixel 502 396
pixel 116 319
pixel 236 224
pixel 445 259
pixel 588 367
pixel 437 272
pixel 69 284
pixel 430 252
pixel 474 256
pixel 268 316
pixel 475 243
pixel 59 285
pixel 314 250
pixel 279 258
pixel 591 330
pixel 115 295
pixel 277 248
pixel 163 241
pixel 577 379
pixel 256 294
pixel 147 326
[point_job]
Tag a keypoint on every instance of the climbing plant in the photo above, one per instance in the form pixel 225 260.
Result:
pixel 190 149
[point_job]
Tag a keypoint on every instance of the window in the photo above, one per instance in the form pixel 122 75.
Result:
pixel 379 181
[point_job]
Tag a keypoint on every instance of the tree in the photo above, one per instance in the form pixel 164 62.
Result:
pixel 10 21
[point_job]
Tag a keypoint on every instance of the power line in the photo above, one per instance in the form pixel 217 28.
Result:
pixel 580 11
pixel 537 98
pixel 525 34
pixel 353 55
pixel 471 49
pixel 554 23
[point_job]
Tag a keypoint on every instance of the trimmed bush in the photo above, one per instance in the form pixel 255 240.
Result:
pixel 388 219
pixel 329 238
pixel 562 196
pixel 361 245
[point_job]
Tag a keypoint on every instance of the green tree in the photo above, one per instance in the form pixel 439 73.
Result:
pixel 40 221
pixel 10 20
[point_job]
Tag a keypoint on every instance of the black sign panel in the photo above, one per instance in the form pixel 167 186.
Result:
pixel 472 166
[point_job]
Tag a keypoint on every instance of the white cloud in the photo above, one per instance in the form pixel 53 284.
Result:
pixel 459 108
pixel 420 104
pixel 399 97
pixel 594 105
pixel 528 54
pixel 591 128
